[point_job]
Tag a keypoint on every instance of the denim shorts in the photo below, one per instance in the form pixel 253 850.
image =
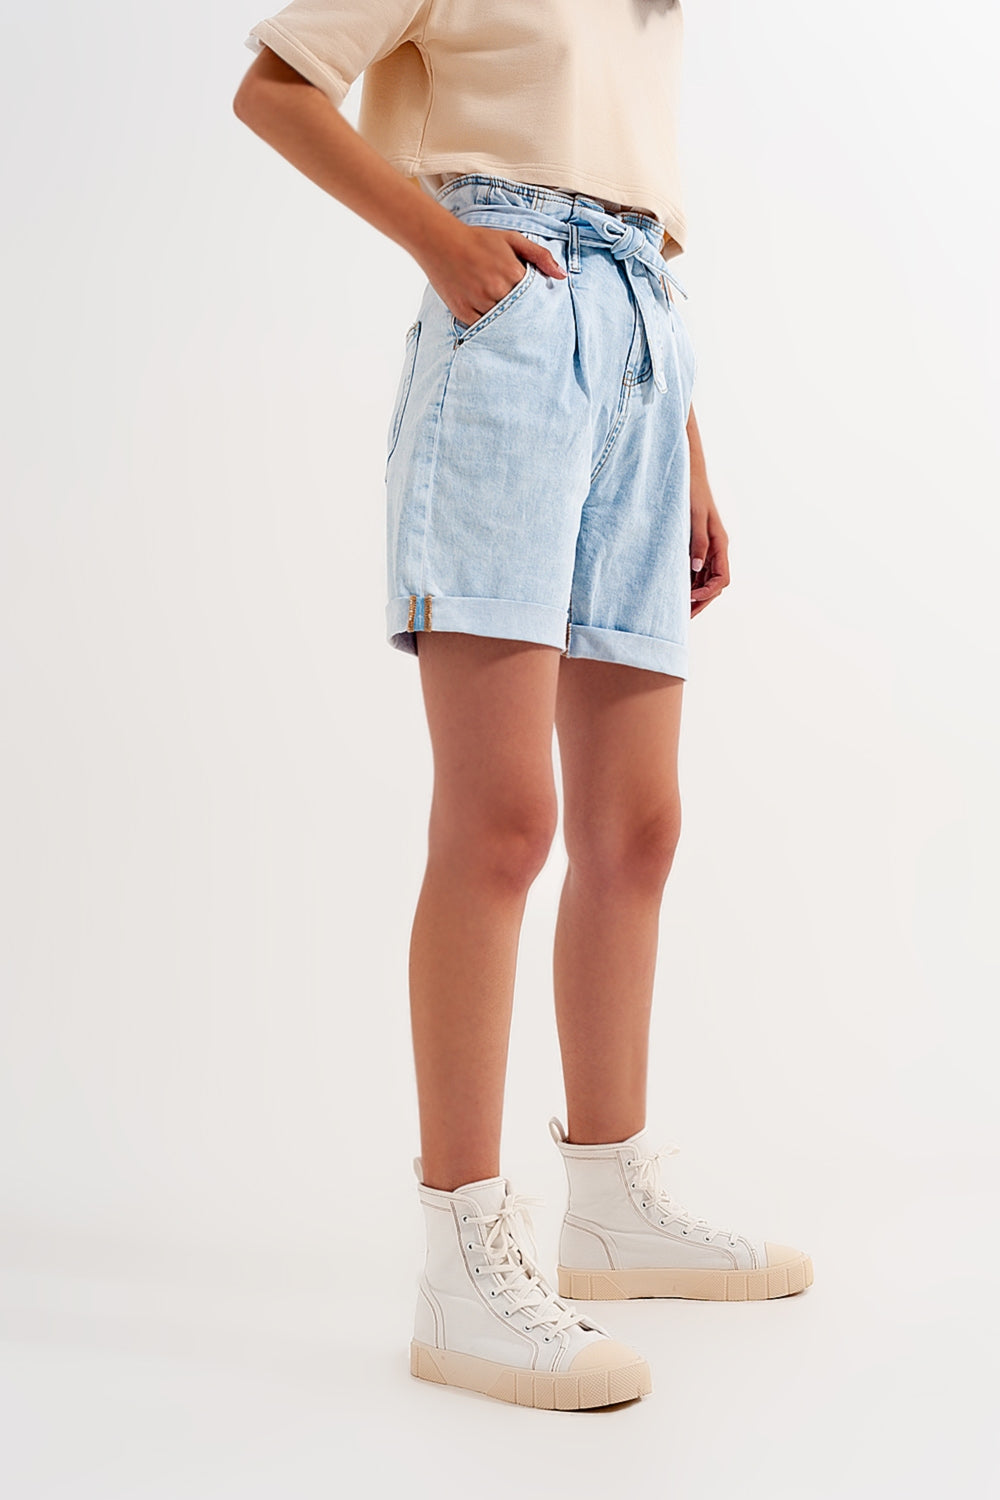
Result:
pixel 537 462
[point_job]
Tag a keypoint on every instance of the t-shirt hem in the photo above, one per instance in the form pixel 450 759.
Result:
pixel 669 216
pixel 298 57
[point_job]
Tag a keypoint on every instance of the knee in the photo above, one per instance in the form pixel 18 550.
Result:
pixel 637 852
pixel 504 846
pixel 654 844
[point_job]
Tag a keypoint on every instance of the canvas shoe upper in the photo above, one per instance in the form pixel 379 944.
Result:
pixel 487 1319
pixel 624 1235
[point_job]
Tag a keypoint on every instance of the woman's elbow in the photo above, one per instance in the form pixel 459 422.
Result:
pixel 256 91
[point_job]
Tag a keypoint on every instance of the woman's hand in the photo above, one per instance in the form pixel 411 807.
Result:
pixel 709 538
pixel 473 267
pixel 470 266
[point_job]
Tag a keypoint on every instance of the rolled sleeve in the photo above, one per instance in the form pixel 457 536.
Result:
pixel 332 42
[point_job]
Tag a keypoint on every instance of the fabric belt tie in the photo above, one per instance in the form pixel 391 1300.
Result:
pixel 644 266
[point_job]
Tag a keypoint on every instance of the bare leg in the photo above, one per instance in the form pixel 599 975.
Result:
pixel 618 731
pixel 490 706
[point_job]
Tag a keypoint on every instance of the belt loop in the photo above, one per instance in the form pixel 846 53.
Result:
pixel 574 245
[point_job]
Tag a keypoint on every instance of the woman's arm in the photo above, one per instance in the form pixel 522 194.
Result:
pixel 709 538
pixel 470 266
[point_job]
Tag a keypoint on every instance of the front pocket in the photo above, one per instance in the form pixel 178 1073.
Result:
pixel 464 331
pixel 403 388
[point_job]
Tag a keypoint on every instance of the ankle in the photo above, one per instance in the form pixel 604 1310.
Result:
pixel 590 1129
pixel 447 1174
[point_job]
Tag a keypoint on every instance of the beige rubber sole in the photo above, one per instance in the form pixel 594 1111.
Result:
pixel 705 1286
pixel 553 1392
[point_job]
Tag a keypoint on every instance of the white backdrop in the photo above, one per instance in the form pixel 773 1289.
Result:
pixel 215 783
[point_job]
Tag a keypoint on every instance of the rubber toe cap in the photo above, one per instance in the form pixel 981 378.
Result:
pixel 604 1354
pixel 782 1255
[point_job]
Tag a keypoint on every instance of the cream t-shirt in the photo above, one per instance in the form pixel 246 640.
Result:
pixel 576 94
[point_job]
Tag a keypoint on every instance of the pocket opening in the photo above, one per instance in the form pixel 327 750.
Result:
pixel 463 331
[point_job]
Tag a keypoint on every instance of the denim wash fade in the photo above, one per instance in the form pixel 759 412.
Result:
pixel 538 466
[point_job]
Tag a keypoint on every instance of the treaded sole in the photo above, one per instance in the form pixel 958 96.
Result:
pixel 704 1286
pixel 562 1391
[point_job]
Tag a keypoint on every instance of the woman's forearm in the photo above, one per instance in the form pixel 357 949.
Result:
pixel 302 125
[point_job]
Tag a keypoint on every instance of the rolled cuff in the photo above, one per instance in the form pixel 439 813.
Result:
pixel 291 51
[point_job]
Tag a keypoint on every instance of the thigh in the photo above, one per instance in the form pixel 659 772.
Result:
pixel 619 731
pixel 490 707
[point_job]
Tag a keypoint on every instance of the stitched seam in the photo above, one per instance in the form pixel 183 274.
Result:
pixel 619 419
pixel 660 640
pixel 425 53
pixel 496 599
pixel 628 381
pixel 436 1314
pixel 575 1223
pixel 429 475
pixel 295 46
pixel 462 334
pixel 412 340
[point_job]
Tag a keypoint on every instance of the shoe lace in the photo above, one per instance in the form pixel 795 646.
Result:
pixel 512 1255
pixel 645 1175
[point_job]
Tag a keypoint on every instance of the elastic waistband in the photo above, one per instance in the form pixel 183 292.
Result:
pixel 576 217
pixel 478 187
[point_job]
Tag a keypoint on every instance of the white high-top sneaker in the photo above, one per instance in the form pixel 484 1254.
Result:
pixel 624 1236
pixel 487 1320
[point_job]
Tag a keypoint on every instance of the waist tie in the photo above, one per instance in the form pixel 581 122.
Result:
pixel 644 266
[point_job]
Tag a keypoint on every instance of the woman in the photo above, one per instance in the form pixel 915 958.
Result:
pixel 551 531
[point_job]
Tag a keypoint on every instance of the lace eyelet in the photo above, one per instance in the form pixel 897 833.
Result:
pixel 493 1292
pixel 506 1312
pixel 707 1238
pixel 465 1218
pixel 546 1338
pixel 662 1224
pixel 476 1269
pixel 684 1231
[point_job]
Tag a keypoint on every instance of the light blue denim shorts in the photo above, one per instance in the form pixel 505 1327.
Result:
pixel 537 462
